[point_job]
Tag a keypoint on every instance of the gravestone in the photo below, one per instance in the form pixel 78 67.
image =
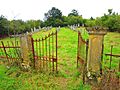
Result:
pixel 31 30
pixel 27 32
pixel 39 28
pixel 34 29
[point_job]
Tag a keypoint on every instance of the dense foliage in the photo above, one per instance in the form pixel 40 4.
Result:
pixel 55 18
pixel 3 26
pixel 17 26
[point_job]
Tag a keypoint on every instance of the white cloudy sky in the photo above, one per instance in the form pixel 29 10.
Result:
pixel 35 9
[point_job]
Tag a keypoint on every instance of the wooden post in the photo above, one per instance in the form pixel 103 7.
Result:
pixel 94 62
pixel 26 50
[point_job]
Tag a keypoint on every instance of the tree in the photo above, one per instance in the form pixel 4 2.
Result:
pixel 54 13
pixel 91 18
pixel 75 20
pixel 110 11
pixel 3 26
pixel 65 21
pixel 53 17
pixel 73 13
pixel 111 21
pixel 90 23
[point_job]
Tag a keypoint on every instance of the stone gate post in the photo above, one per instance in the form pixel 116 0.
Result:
pixel 26 49
pixel 94 62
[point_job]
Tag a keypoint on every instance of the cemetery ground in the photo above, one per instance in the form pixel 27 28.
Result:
pixel 68 76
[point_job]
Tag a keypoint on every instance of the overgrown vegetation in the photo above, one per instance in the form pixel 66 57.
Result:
pixel 112 39
pixel 68 77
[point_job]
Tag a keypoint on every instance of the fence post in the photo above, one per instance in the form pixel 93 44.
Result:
pixel 94 62
pixel 26 50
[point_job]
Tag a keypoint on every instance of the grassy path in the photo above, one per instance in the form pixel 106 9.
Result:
pixel 67 51
pixel 68 77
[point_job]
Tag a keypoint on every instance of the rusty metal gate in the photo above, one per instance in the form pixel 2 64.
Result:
pixel 82 51
pixel 10 51
pixel 45 52
pixel 82 54
pixel 111 55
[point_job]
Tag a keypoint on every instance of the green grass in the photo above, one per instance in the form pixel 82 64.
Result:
pixel 68 77
pixel 43 33
pixel 112 38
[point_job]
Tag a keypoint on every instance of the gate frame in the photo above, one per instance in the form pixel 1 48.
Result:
pixel 54 59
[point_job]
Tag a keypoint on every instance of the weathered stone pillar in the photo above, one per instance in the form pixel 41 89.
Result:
pixel 26 49
pixel 94 62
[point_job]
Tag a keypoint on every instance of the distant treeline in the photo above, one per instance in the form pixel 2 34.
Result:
pixel 55 18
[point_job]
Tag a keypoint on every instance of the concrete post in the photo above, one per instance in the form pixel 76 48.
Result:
pixel 26 49
pixel 94 62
